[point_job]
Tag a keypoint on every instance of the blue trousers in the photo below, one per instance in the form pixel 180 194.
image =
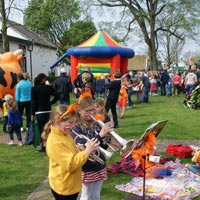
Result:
pixel 16 129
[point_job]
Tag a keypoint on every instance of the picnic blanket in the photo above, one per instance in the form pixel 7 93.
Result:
pixel 127 166
pixel 181 185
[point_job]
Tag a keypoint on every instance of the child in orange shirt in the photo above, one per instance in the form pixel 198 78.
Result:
pixel 123 95
pixel 100 113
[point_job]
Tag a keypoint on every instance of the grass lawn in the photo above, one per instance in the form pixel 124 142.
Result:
pixel 22 170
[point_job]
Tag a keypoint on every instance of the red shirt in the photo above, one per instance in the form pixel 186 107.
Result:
pixel 176 79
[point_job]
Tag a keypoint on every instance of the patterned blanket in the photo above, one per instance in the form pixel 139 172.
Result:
pixel 127 166
pixel 181 185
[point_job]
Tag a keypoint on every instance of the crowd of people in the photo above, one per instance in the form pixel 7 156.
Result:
pixel 70 136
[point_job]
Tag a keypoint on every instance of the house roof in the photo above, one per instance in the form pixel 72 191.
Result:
pixel 27 35
pixel 139 62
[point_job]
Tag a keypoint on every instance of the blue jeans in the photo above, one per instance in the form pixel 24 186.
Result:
pixel 130 102
pixel 17 130
pixel 163 89
pixel 189 88
pixel 5 123
pixel 145 96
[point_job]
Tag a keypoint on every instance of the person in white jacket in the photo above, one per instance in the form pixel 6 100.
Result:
pixel 191 80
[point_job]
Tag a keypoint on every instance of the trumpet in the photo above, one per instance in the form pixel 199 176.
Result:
pixel 94 156
pixel 124 144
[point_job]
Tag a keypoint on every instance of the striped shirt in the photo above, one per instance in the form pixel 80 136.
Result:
pixel 90 177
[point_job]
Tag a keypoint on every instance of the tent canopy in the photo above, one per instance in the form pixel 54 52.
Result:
pixel 98 45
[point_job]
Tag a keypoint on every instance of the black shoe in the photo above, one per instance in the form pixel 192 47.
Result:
pixel 41 151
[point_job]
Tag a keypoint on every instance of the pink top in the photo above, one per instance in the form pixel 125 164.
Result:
pixel 176 79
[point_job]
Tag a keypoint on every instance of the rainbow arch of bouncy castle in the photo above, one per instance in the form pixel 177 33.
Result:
pixel 101 53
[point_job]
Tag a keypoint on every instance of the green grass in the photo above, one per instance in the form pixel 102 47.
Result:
pixel 22 170
pixel 182 123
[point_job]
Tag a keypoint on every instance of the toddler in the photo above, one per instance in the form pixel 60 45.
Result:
pixel 6 108
pixel 14 123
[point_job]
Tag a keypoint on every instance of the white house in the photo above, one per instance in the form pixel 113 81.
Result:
pixel 39 54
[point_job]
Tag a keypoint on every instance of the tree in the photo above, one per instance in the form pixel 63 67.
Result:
pixel 78 33
pixel 58 21
pixel 147 14
pixel 5 10
pixel 4 26
pixel 172 37
pixel 50 18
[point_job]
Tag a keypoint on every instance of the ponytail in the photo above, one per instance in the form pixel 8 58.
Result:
pixel 45 133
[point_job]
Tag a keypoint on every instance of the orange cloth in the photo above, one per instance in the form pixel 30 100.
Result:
pixel 145 150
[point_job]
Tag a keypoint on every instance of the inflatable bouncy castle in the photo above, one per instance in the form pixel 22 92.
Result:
pixel 101 53
pixel 9 68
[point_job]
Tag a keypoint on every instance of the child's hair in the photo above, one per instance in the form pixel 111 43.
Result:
pixel 86 76
pixel 100 103
pixel 82 104
pixel 85 102
pixel 8 97
pixel 54 118
pixel 12 105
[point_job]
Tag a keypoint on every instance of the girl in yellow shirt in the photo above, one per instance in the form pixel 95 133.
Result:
pixel 65 161
pixel 6 108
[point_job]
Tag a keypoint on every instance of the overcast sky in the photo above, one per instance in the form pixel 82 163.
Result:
pixel 134 42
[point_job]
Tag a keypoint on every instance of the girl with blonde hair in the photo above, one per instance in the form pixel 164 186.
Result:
pixel 6 108
pixel 65 161
pixel 93 172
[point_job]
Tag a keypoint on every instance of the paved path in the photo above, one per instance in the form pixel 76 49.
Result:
pixel 42 192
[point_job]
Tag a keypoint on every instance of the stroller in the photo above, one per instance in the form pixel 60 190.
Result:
pixel 193 101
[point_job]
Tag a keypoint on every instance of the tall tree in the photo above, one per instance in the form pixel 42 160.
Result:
pixel 4 26
pixel 50 18
pixel 78 33
pixel 7 7
pixel 56 19
pixel 147 13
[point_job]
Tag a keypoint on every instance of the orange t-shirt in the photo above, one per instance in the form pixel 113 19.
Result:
pixel 123 91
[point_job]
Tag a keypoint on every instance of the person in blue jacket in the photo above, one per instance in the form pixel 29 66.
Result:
pixel 23 97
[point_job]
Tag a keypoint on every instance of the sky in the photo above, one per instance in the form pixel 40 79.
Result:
pixel 134 42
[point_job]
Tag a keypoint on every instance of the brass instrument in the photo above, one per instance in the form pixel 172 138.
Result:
pixel 94 156
pixel 123 144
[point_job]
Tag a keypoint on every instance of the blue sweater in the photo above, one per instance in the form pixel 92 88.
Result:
pixel 23 91
pixel 14 118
